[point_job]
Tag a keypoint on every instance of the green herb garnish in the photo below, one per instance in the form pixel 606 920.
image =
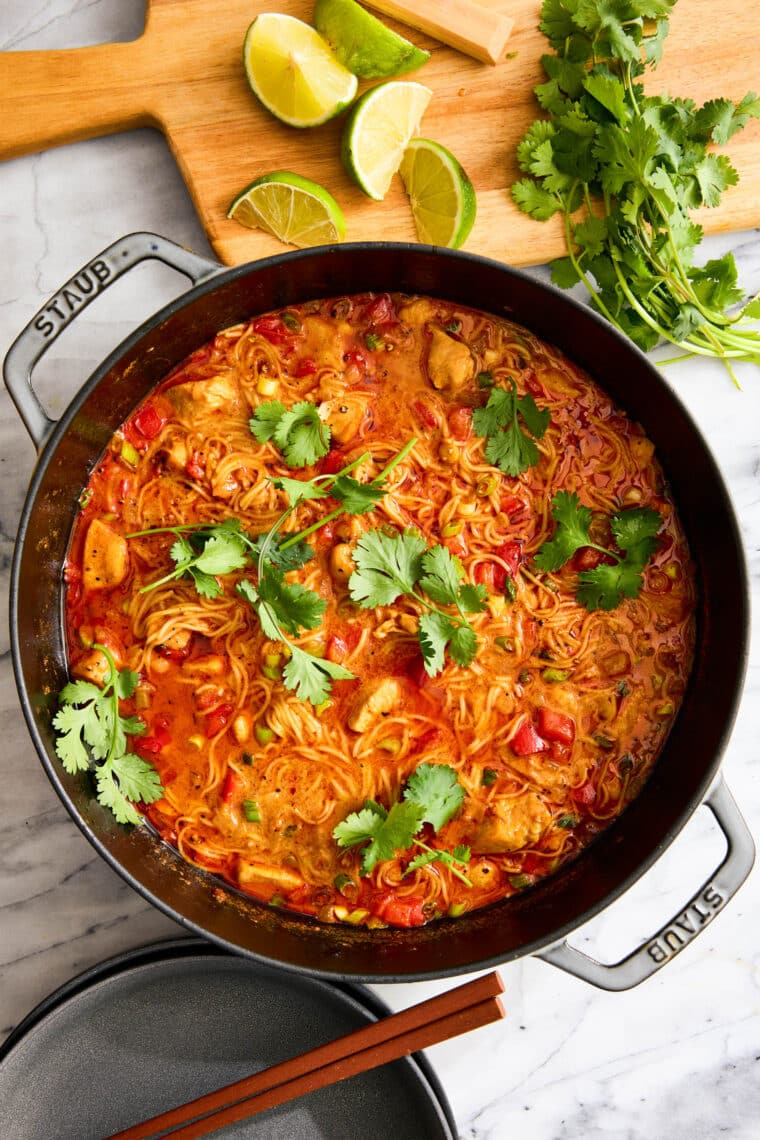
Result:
pixel 503 422
pixel 90 727
pixel 634 165
pixel 433 795
pixel 251 811
pixel 298 432
pixel 605 586
pixel 389 565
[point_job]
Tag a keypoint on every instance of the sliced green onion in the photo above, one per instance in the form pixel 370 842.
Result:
pixel 263 734
pixel 373 341
pixel 457 909
pixel 567 821
pixel 390 744
pixel 505 643
pixel 451 529
pixel 555 675
pixel 290 320
pixel 490 776
pixel 344 884
pixel 251 811
pixel 129 454
pixel 485 380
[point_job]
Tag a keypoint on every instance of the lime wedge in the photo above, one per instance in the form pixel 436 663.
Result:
pixel 441 195
pixel 378 131
pixel 293 71
pixel 362 43
pixel 291 208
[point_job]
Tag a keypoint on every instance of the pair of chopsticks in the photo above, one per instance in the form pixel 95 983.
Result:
pixel 456 1011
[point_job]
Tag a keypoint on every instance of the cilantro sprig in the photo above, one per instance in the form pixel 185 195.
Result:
pixel 503 422
pixel 389 565
pixel 625 169
pixel 299 433
pixel 432 795
pixel 604 586
pixel 91 727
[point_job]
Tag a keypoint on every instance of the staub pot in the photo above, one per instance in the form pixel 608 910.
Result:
pixel 687 773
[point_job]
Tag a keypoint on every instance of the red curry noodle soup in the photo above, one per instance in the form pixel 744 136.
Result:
pixel 323 744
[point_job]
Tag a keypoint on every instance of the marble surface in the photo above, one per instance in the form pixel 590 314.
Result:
pixel 677 1055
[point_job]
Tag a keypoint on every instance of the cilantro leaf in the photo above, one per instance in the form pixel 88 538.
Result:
pixel 386 566
pixel 293 558
pixel 508 447
pixel 634 531
pixel 454 860
pixel 384 834
pixel 572 531
pixel 357 498
pixel 463 644
pixel 442 573
pixel 435 632
pixel 604 587
pixel 293 606
pixel 300 490
pixel 264 422
pixel 435 788
pixel 311 676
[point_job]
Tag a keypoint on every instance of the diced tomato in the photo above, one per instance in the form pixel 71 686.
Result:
pixel 355 358
pixel 457 544
pixel 337 650
pixel 272 329
pixel 339 645
pixel 460 422
pixel 305 367
pixel 333 462
pixel 195 467
pixel 585 794
pixel 484 575
pixel 380 310
pixel 404 911
pixel 511 553
pixel 514 507
pixel 230 786
pixel 553 725
pixel 147 746
pixel 217 720
pixel 424 414
pixel 533 864
pixel 532 383
pixel 526 740
pixel 207 697
pixel 560 753
pixel 148 421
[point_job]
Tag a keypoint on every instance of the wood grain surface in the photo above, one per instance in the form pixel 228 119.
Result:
pixel 184 75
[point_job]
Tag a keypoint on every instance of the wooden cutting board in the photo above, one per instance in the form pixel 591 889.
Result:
pixel 184 75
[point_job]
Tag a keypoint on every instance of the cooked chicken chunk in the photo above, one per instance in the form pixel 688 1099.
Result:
pixel 377 699
pixel 106 557
pixel 197 398
pixel 512 825
pixel 450 362
pixel 344 416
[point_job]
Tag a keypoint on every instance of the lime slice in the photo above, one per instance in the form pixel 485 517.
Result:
pixel 441 195
pixel 378 131
pixel 362 43
pixel 293 72
pixel 291 208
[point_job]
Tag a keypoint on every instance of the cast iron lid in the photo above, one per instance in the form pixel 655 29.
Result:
pixel 158 1026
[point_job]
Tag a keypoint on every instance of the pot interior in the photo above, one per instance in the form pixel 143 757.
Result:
pixel 529 920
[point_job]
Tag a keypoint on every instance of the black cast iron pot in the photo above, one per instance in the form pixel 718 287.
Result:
pixel 686 774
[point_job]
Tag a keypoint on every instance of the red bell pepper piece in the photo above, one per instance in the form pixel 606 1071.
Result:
pixel 526 740
pixel 404 911
pixel 305 367
pixel 553 725
pixel 216 721
pixel 230 786
pixel 148 421
pixel 272 329
pixel 585 794
pixel 380 311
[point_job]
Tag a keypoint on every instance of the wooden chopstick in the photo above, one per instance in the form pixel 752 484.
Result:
pixel 456 1011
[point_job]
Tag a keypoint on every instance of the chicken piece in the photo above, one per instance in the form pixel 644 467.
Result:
pixel 418 312
pixel 264 881
pixel 106 557
pixel 344 416
pixel 324 339
pixel 514 824
pixel 376 700
pixel 450 362
pixel 197 398
pixel 177 454
pixel 342 564
pixel 93 667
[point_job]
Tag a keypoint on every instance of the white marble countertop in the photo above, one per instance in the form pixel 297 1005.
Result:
pixel 679 1054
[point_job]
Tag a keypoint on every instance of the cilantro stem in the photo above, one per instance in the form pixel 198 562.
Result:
pixel 114 701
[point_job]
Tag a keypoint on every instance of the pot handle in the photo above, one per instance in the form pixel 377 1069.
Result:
pixel 711 897
pixel 58 313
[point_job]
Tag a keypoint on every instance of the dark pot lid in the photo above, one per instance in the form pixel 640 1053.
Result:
pixel 159 1026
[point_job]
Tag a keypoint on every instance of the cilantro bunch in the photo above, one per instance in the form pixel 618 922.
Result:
pixel 625 169
pixel 89 719
pixel 605 586
pixel 389 565
pixel 432 795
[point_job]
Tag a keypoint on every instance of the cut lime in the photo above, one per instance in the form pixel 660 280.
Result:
pixel 291 208
pixel 293 71
pixel 363 43
pixel 378 131
pixel 441 195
